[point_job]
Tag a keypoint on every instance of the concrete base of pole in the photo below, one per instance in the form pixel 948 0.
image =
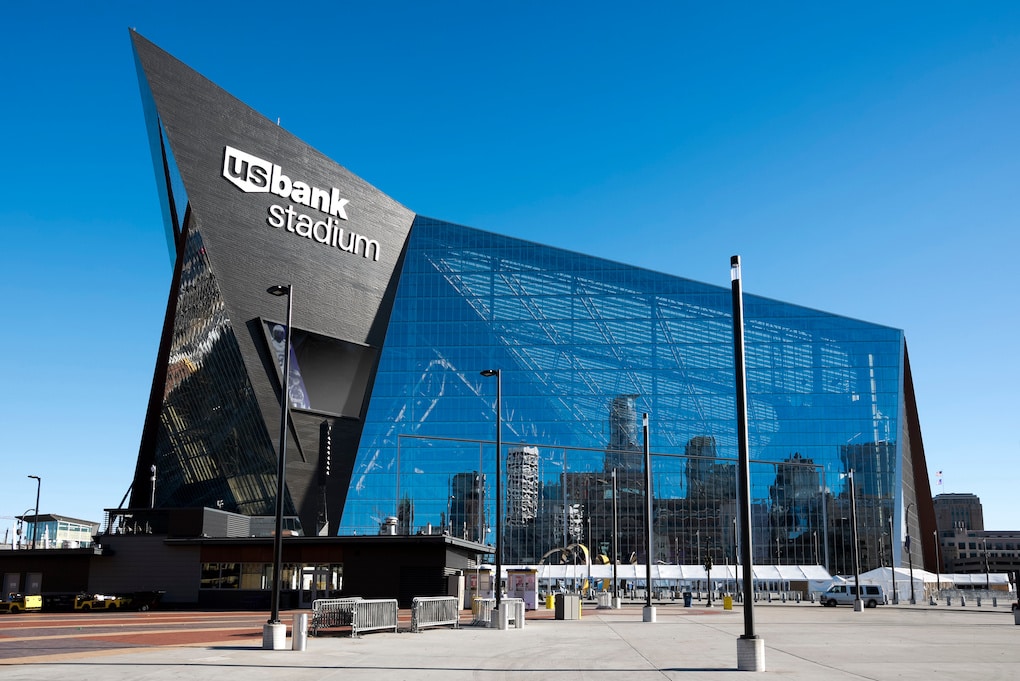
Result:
pixel 274 636
pixel 617 603
pixel 858 605
pixel 751 654
pixel 648 613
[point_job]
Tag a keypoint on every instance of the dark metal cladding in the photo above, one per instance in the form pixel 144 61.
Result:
pixel 215 355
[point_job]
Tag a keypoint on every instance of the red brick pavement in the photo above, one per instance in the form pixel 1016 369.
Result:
pixel 43 637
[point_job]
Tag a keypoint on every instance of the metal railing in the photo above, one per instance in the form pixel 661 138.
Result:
pixel 481 611
pixel 332 612
pixel 434 611
pixel 967 597
pixel 374 615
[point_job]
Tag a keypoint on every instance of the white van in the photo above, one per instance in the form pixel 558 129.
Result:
pixel 844 594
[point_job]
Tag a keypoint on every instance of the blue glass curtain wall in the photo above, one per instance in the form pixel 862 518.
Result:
pixel 585 347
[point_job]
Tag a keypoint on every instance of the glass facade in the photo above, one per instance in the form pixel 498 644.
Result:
pixel 212 447
pixel 586 346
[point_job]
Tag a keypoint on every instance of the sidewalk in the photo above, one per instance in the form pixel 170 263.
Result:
pixel 802 642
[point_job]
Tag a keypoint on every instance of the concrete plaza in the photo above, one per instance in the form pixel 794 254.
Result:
pixel 802 641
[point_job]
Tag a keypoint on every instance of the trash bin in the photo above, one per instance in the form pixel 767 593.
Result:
pixel 688 597
pixel 1016 613
pixel 550 602
pixel 568 607
pixel 727 602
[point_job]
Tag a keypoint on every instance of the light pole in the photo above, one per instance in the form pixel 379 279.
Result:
pixel 274 633
pixel 488 373
pixel 984 548
pixel 22 523
pixel 750 648
pixel 938 564
pixel 892 563
pixel 858 603
pixel 616 547
pixel 910 556
pixel 35 518
pixel 152 495
pixel 649 611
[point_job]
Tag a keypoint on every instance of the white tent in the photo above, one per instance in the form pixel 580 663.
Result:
pixel 883 576
pixel 926 583
pixel 680 574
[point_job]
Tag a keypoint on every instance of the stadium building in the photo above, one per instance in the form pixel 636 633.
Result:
pixel 392 424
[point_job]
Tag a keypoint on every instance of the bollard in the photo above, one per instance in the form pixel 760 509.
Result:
pixel 299 631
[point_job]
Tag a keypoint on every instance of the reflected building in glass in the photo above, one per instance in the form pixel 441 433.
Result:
pixel 389 339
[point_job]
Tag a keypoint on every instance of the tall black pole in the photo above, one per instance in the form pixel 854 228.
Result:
pixel 281 290
pixel 616 548
pixel 742 447
pixel 910 555
pixel 854 549
pixel 152 479
pixel 35 518
pixel 648 515
pixel 892 563
pixel 499 484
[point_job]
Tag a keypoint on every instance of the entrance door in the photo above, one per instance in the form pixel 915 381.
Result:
pixel 314 583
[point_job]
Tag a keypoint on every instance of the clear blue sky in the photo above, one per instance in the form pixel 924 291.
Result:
pixel 862 158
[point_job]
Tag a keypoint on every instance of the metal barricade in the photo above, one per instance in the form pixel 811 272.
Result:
pixel 481 611
pixel 515 611
pixel 434 611
pixel 372 615
pixel 332 612
pixel 605 600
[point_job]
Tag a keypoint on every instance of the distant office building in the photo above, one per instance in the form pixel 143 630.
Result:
pixel 394 316
pixel 521 485
pixel 980 551
pixel 467 506
pixel 958 512
pixel 624 452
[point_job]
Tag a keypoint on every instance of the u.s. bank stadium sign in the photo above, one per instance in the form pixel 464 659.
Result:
pixel 252 174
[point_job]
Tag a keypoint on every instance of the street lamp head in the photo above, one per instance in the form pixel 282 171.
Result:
pixel 489 372
pixel 279 289
pixel 734 268
pixel 35 477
